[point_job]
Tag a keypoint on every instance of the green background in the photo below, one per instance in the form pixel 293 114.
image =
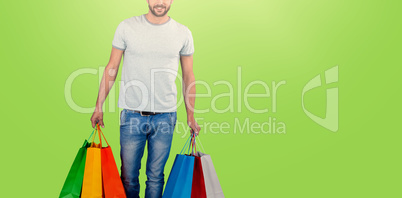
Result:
pixel 44 42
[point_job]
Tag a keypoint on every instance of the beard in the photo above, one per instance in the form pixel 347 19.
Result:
pixel 154 12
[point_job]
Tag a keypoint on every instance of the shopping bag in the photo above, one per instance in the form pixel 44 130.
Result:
pixel 180 180
pixel 181 177
pixel 212 185
pixel 198 186
pixel 92 183
pixel 112 185
pixel 73 183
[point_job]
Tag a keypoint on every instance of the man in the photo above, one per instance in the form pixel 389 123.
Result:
pixel 152 45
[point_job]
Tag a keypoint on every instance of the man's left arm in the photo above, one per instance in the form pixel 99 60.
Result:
pixel 189 92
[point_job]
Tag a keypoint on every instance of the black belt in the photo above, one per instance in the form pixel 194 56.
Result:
pixel 147 113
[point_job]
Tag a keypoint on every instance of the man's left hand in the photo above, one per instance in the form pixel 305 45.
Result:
pixel 193 125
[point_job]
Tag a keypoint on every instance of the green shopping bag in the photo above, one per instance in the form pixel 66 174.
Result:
pixel 72 185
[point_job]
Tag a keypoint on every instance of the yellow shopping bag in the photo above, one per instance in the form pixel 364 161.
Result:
pixel 92 184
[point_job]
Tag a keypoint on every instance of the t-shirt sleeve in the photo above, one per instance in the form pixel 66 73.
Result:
pixel 188 46
pixel 119 41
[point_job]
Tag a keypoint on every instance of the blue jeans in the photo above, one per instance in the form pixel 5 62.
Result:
pixel 135 130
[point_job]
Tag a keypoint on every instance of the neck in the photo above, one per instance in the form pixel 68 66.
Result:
pixel 156 20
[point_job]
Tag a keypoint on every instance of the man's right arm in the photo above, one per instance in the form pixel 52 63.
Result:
pixel 108 79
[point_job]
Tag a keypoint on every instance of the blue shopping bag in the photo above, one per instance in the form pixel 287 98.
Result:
pixel 181 177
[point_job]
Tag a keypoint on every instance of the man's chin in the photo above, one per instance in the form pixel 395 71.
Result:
pixel 159 14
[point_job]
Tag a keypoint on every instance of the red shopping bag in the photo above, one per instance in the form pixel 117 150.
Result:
pixel 112 185
pixel 198 186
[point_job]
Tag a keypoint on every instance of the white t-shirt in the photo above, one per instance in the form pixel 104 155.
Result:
pixel 151 59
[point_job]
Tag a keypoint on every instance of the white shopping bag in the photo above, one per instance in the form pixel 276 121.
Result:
pixel 212 185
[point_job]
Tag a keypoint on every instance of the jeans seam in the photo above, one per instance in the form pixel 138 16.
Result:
pixel 122 116
pixel 170 116
pixel 172 119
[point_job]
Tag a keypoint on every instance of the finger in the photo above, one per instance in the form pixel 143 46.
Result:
pixel 195 131
pixel 93 123
pixel 101 123
pixel 191 131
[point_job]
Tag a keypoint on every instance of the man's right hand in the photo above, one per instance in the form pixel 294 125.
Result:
pixel 97 117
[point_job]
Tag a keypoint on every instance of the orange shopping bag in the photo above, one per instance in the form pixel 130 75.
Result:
pixel 112 185
pixel 92 184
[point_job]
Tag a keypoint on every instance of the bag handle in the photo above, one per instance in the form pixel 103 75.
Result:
pixel 100 132
pixel 190 146
pixel 194 144
pixel 199 143
pixel 93 138
pixel 86 142
pixel 91 134
pixel 185 145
